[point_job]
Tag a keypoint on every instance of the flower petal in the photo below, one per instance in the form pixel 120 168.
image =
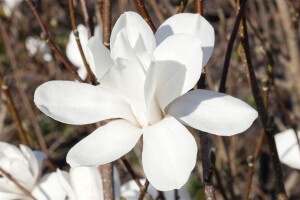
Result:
pixel 137 30
pixel 177 67
pixel 72 50
pixel 213 112
pixel 105 144
pixel 192 24
pixel 87 183
pixel 169 154
pixel 79 103
pixel 98 57
pixel 119 81
pixel 50 188
pixel 288 149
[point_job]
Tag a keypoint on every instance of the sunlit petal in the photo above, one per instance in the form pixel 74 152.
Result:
pixel 105 144
pixel 169 154
pixel 79 103
pixel 213 112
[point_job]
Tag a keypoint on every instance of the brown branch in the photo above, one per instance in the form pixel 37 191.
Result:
pixel 14 114
pixel 141 8
pixel 157 11
pixel 86 17
pixel 182 6
pixel 76 34
pixel 23 189
pixel 131 171
pixel 45 35
pixel 143 190
pixel 241 11
pixel 106 172
pixel 122 6
pixel 106 17
pixel 199 6
pixel 264 118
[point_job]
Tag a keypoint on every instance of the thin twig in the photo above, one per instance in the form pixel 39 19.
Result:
pixel 45 35
pixel 246 59
pixel 222 87
pixel 199 6
pixel 182 6
pixel 131 171
pixel 157 11
pixel 23 189
pixel 86 18
pixel 91 75
pixel 143 190
pixel 141 8
pixel 14 114
pixel 106 17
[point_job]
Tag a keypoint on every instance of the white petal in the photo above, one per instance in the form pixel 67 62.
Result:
pixel 98 32
pixel 72 50
pixel 87 183
pixel 79 103
pixel 169 154
pixel 213 112
pixel 49 188
pixel 120 81
pixel 192 24
pixel 65 183
pixel 177 68
pixel 98 57
pixel 33 162
pixel 288 148
pixel 105 144
pixel 137 31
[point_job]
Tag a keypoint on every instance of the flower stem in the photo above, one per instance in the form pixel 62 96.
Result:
pixel 182 6
pixel 143 190
pixel 141 8
pixel 91 75
pixel 87 20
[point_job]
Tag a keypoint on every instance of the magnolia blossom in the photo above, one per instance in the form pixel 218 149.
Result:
pixel 35 45
pixel 82 183
pixel 72 50
pixel 23 165
pixel 131 191
pixel 288 148
pixel 145 82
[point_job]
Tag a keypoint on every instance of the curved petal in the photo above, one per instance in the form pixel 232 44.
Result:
pixel 98 57
pixel 192 24
pixel 105 144
pixel 177 67
pixel 137 30
pixel 213 112
pixel 87 183
pixel 288 149
pixel 33 162
pixel 72 50
pixel 169 154
pixel 79 103
pixel 65 183
pixel 120 81
pixel 49 188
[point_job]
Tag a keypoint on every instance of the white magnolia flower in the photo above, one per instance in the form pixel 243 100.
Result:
pixel 83 183
pixel 72 50
pixel 288 148
pixel 35 45
pixel 131 191
pixel 23 165
pixel 145 82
